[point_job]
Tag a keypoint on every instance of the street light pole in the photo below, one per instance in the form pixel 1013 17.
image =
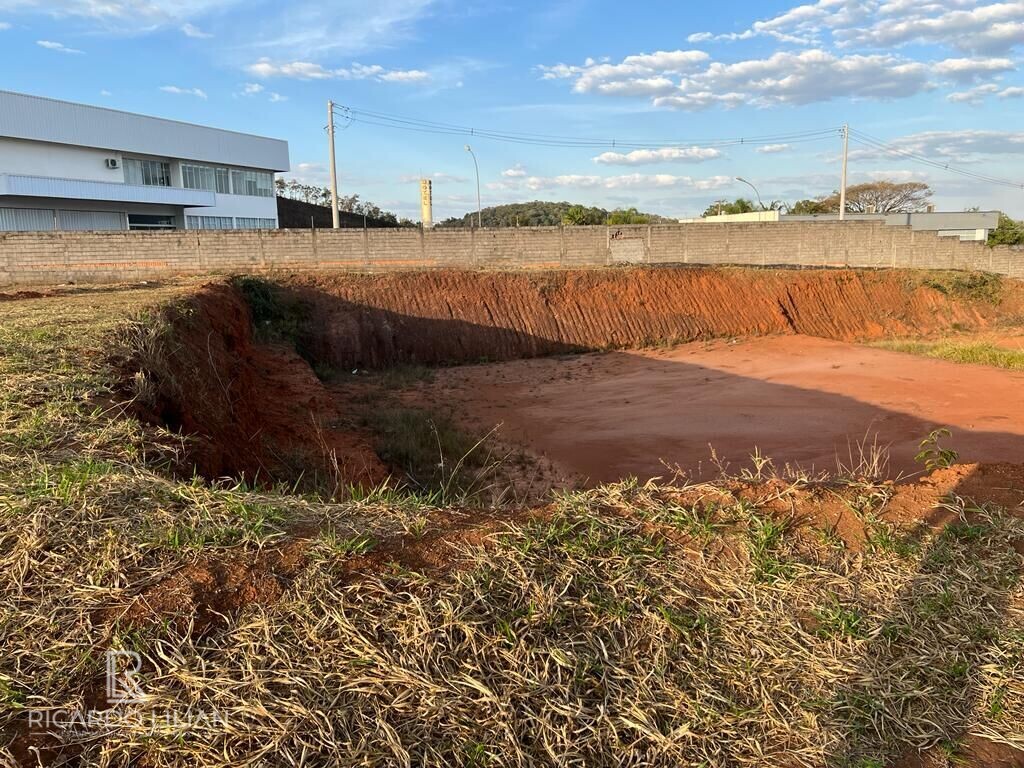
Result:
pixel 479 214
pixel 740 178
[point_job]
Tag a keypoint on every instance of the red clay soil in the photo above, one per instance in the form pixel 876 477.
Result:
pixel 260 412
pixel 800 400
pixel 250 410
pixel 365 321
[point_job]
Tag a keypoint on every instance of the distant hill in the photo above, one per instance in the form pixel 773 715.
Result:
pixel 296 214
pixel 540 213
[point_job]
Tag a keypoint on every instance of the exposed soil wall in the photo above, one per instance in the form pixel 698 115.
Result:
pixel 248 410
pixel 456 317
pixel 257 410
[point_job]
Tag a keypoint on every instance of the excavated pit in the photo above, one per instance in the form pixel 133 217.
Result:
pixel 238 376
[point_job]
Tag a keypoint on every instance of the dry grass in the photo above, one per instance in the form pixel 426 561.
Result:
pixel 972 352
pixel 629 625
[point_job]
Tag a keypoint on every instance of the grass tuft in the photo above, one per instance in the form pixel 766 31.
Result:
pixel 967 352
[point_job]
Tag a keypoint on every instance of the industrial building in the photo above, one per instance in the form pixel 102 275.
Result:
pixel 966 225
pixel 66 166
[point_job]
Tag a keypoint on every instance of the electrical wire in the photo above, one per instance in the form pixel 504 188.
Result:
pixel 397 122
pixel 384 120
pixel 867 140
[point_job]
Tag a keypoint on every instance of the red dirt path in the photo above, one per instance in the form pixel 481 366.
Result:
pixel 798 399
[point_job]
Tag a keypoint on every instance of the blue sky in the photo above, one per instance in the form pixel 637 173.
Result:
pixel 939 79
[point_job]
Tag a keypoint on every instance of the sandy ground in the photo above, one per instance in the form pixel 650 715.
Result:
pixel 798 399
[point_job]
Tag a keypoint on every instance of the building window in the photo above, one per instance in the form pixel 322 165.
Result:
pixel 198 177
pixel 242 222
pixel 252 183
pixel 209 222
pixel 90 221
pixel 148 173
pixel 206 177
pixel 26 220
pixel 146 221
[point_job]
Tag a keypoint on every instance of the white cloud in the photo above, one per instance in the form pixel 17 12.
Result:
pixel 968 70
pixel 4 25
pixel 633 181
pixel 968 25
pixel 191 30
pixel 953 146
pixel 306 70
pixel 51 45
pixel 404 76
pixel 297 28
pixel 146 12
pixel 665 154
pixel 250 89
pixel 645 74
pixel 801 24
pixel 310 173
pixel 515 172
pixel 105 92
pixel 276 98
pixel 773 149
pixel 978 94
pixel 177 91
pixel 439 176
pixel 974 95
pixel 782 78
pixel 800 78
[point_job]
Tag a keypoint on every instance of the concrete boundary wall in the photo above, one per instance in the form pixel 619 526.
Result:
pixel 103 257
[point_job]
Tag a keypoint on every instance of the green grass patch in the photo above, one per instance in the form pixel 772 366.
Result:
pixel 973 352
pixel 428 447
pixel 974 286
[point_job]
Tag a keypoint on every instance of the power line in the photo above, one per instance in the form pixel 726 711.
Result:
pixel 384 120
pixel 416 125
pixel 872 142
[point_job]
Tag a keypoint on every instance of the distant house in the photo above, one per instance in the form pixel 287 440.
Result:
pixel 66 166
pixel 966 225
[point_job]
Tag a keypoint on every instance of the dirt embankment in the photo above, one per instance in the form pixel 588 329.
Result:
pixel 249 410
pixel 258 411
pixel 456 317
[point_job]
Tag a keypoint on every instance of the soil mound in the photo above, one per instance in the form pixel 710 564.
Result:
pixel 249 410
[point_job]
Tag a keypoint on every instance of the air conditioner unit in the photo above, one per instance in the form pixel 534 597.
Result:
pixel 113 163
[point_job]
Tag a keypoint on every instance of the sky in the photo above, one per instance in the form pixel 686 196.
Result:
pixel 674 82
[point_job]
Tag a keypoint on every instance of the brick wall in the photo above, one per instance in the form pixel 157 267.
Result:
pixel 81 257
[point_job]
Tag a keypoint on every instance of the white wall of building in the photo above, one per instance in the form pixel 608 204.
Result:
pixel 239 205
pixel 69 146
pixel 54 206
pixel 35 158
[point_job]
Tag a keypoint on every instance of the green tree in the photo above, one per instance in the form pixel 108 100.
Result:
pixel 739 205
pixel 805 207
pixel 883 196
pixel 1007 232
pixel 579 215
pixel 628 216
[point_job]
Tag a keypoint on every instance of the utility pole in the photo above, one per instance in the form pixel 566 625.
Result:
pixel 335 217
pixel 842 183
